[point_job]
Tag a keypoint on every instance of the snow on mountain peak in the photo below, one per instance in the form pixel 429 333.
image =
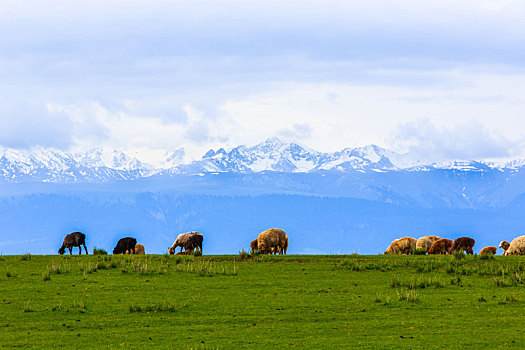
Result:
pixel 177 156
pixel 102 165
pixel 98 157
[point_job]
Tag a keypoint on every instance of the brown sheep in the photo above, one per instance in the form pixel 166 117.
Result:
pixel 463 244
pixel 139 249
pixel 505 246
pixel 253 246
pixel 282 247
pixel 193 242
pixel 285 248
pixel 488 251
pixel 405 245
pixel 424 243
pixel 272 240
pixel 75 239
pixel 441 246
pixel 517 246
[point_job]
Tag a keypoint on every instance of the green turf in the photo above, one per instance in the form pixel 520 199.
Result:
pixel 272 302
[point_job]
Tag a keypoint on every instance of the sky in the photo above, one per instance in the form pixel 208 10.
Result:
pixel 438 79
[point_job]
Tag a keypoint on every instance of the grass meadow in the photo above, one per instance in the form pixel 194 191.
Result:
pixel 223 302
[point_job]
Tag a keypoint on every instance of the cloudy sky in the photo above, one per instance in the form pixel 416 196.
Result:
pixel 440 79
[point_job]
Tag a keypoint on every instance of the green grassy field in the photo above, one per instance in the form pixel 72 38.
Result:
pixel 262 301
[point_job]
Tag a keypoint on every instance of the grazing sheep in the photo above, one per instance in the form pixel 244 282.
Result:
pixel 424 243
pixel 517 246
pixel 505 246
pixel 178 243
pixel 125 244
pixel 75 239
pixel 441 246
pixel 193 242
pixel 139 249
pixel 272 240
pixel 285 247
pixel 463 244
pixel 405 245
pixel 282 247
pixel 253 246
pixel 488 251
pixel 182 241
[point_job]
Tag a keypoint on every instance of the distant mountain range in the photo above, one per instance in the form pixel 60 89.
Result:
pixel 103 166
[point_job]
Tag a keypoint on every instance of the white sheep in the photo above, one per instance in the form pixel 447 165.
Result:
pixel 182 241
pixel 424 243
pixel 517 246
pixel 405 245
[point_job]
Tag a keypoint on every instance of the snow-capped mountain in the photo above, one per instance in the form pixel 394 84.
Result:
pixel 275 155
pixel 270 155
pixel 102 165
pixel 95 165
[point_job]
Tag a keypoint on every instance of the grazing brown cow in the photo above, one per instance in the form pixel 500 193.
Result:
pixel 463 244
pixel 488 251
pixel 405 245
pixel 75 239
pixel 441 246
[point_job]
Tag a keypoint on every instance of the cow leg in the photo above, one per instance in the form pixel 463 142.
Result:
pixel 70 250
pixel 85 248
pixel 79 250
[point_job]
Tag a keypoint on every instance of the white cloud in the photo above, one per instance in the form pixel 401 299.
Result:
pixel 296 133
pixel 342 115
pixel 95 125
pixel 323 116
pixel 425 141
pixel 25 123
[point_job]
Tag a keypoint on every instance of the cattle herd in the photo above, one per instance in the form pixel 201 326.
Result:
pixel 438 245
pixel 272 241
pixel 275 241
